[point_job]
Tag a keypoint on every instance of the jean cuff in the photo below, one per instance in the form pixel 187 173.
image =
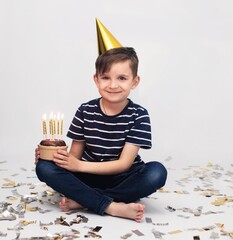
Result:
pixel 104 205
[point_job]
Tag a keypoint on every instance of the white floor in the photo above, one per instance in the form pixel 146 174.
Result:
pixel 196 203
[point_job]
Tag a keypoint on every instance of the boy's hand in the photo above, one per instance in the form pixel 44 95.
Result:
pixel 65 160
pixel 37 155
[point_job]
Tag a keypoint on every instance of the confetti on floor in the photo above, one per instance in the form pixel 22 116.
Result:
pixel 196 203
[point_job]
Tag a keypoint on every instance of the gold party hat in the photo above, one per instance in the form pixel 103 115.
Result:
pixel 105 39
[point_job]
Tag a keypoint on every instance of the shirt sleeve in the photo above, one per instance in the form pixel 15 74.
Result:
pixel 140 133
pixel 75 131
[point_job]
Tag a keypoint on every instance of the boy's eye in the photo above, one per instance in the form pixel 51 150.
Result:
pixel 122 78
pixel 104 77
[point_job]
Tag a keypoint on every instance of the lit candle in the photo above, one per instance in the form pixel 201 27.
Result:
pixel 44 126
pixel 58 126
pixel 54 125
pixel 51 125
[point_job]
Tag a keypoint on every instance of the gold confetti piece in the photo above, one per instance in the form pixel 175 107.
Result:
pixel 210 193
pixel 7 180
pixel 175 232
pixel 231 234
pixel 31 209
pixel 9 184
pixel 178 191
pixel 12 198
pixel 210 164
pixel 62 221
pixel 218 202
pixel 161 190
pixel 53 202
pixel 49 192
pixel 34 193
pixel 181 192
pixel 221 201
pixel 208 228
pixel 226 233
pixel 93 234
pixel 219 225
pixel 25 222
pixel 44 228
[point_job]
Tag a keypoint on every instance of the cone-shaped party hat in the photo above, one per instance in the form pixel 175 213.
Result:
pixel 105 39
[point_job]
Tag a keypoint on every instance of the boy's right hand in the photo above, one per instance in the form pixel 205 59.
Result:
pixel 37 155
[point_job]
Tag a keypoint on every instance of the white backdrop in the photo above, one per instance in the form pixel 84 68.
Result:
pixel 47 54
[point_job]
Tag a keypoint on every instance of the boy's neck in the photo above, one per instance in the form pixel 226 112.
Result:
pixel 111 109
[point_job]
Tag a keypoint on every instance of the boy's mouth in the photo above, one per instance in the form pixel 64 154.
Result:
pixel 113 92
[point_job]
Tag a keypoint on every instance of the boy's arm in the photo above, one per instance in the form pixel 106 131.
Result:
pixel 71 161
pixel 125 161
pixel 77 148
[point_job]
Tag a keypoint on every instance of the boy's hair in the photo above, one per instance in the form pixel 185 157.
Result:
pixel 104 61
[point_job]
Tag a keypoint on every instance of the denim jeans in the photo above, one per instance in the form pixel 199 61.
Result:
pixel 96 192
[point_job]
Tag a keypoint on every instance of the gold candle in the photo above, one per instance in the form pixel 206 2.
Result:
pixel 62 116
pixel 58 126
pixel 54 125
pixel 44 126
pixel 51 125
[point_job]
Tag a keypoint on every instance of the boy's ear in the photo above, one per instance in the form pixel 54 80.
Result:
pixel 136 81
pixel 95 78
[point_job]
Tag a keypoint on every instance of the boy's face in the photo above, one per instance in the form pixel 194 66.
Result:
pixel 115 85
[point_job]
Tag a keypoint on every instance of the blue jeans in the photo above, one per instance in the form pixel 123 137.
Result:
pixel 96 192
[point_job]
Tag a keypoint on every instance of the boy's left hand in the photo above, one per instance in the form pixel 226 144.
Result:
pixel 65 160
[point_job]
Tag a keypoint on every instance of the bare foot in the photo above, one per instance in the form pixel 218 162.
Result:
pixel 133 211
pixel 67 204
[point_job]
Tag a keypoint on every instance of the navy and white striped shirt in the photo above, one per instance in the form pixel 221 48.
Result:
pixel 105 136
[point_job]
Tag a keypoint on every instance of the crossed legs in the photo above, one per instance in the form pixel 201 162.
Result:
pixel 119 201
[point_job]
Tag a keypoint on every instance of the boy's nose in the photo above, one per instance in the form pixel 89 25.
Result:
pixel 113 84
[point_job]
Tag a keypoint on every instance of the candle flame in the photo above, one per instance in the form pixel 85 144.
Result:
pixel 51 115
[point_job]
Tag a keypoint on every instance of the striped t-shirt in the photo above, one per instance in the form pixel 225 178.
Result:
pixel 105 136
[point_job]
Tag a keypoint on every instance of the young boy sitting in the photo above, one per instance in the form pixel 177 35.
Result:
pixel 103 170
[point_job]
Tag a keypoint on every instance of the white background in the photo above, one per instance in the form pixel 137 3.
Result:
pixel 47 54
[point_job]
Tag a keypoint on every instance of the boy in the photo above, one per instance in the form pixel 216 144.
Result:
pixel 103 170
